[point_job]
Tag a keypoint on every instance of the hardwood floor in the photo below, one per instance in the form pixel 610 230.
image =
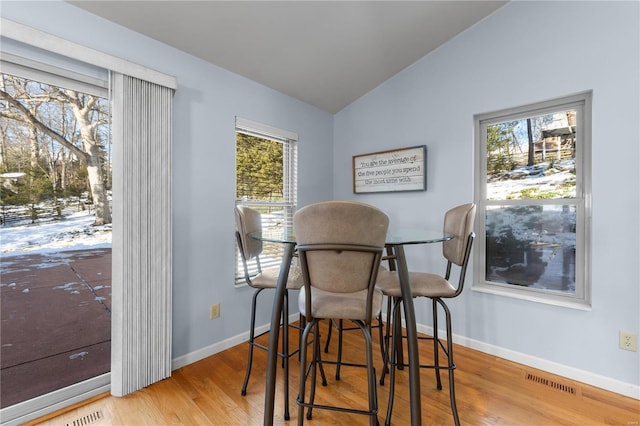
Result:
pixel 489 390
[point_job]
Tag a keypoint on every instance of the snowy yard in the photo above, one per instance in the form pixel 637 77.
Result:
pixel 74 232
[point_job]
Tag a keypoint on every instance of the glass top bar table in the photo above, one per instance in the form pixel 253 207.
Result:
pixel 396 240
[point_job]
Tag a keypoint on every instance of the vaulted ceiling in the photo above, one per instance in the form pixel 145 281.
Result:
pixel 325 53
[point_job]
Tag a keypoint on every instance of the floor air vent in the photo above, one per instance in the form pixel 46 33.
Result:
pixel 86 420
pixel 559 386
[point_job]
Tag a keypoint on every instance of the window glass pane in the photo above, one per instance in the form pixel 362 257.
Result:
pixel 532 158
pixel 272 219
pixel 259 169
pixel 532 246
pixel 55 191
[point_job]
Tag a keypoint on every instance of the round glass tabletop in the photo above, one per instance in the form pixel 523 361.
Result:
pixel 395 236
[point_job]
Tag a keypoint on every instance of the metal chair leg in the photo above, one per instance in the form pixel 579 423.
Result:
pixel 243 392
pixel 316 363
pixel 396 345
pixel 436 344
pixel 314 369
pixel 326 345
pixel 320 365
pixel 303 372
pixel 371 376
pixel 382 343
pixel 285 353
pixel 285 347
pixel 339 358
pixel 387 334
pixel 451 366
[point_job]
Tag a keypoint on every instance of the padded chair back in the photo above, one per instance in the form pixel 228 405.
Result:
pixel 248 220
pixel 340 244
pixel 459 222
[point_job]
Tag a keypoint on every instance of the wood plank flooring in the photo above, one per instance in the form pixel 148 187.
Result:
pixel 490 391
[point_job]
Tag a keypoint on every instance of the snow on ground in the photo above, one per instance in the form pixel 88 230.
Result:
pixel 74 232
pixel 541 177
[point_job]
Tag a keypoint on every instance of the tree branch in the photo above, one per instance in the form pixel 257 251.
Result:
pixel 27 117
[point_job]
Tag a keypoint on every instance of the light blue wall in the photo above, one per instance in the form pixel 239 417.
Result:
pixel 207 101
pixel 525 52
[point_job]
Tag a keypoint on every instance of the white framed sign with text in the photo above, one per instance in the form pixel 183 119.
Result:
pixel 391 171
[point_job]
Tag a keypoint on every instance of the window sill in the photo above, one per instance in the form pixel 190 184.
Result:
pixel 534 296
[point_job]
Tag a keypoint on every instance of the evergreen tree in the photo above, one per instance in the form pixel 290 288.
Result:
pixel 259 168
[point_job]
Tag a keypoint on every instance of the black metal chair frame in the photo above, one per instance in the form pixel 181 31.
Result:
pixel 316 360
pixel 340 327
pixel 392 355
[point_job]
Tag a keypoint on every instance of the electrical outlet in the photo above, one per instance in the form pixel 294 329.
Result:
pixel 214 311
pixel 628 341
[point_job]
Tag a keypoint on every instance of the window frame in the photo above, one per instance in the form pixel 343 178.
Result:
pixel 289 181
pixel 52 75
pixel 581 299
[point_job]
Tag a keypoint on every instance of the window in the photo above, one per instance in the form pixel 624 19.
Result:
pixel 533 194
pixel 266 180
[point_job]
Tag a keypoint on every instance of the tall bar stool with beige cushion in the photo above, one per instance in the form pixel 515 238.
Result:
pixel 459 222
pixel 248 221
pixel 340 244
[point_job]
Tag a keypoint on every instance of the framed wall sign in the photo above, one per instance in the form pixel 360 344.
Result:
pixel 391 171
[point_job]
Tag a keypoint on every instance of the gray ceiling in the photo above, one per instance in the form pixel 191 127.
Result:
pixel 325 53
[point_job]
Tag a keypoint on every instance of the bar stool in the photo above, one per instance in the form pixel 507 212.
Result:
pixel 340 245
pixel 248 221
pixel 459 222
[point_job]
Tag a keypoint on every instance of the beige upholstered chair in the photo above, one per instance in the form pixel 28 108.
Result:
pixel 459 222
pixel 340 244
pixel 248 221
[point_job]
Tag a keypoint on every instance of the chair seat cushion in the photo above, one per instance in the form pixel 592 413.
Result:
pixel 423 284
pixel 388 283
pixel 269 278
pixel 351 306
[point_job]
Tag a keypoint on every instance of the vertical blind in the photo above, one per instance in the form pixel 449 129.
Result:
pixel 141 323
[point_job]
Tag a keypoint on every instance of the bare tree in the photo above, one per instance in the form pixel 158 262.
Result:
pixel 88 151
pixel 531 151
pixel 3 149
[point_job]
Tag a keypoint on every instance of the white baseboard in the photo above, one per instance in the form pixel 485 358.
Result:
pixel 207 351
pixel 606 383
